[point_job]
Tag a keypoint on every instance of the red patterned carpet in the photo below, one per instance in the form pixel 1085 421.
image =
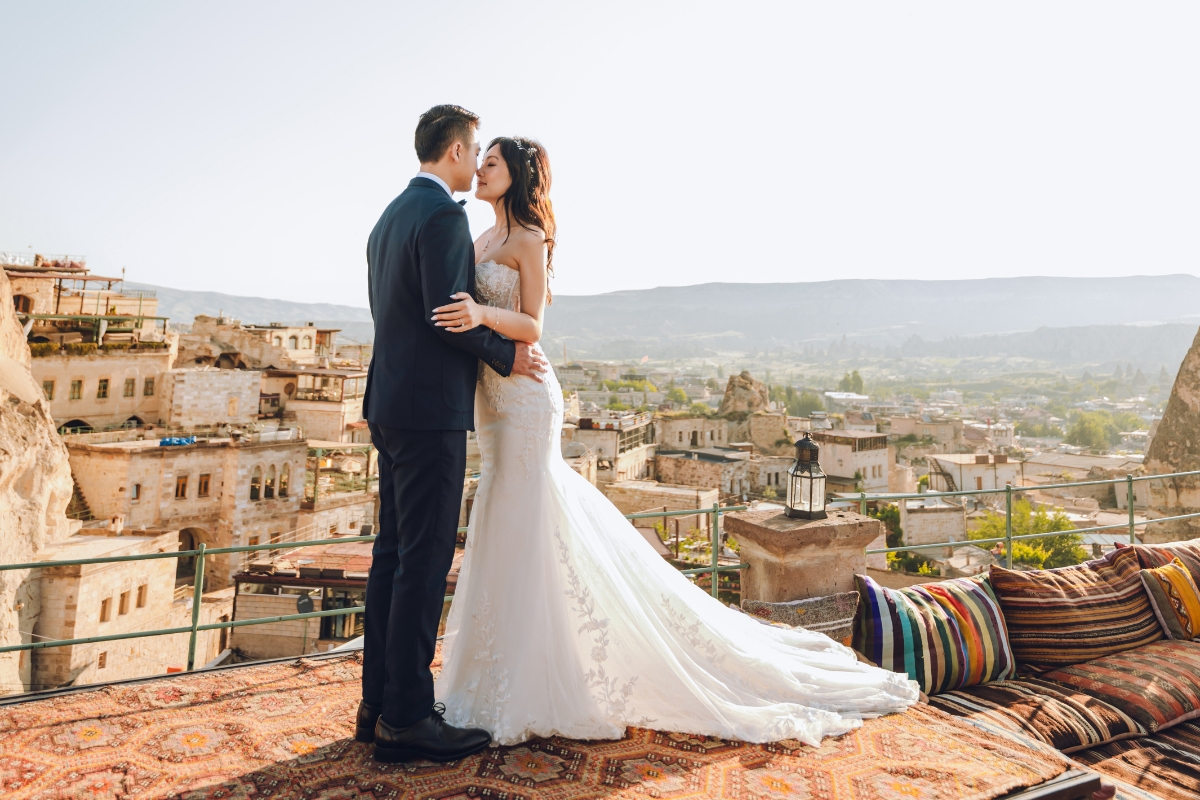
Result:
pixel 283 730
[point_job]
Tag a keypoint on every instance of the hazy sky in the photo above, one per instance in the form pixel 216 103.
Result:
pixel 249 147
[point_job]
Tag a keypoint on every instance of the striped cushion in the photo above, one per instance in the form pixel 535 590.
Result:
pixel 945 635
pixel 1159 555
pixel 1062 718
pixel 1074 614
pixel 1175 599
pixel 1158 685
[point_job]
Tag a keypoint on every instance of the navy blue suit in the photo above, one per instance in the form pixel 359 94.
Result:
pixel 420 402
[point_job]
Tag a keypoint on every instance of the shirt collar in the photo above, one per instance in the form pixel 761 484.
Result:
pixel 429 176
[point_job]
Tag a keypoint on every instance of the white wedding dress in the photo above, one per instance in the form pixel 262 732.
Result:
pixel 565 621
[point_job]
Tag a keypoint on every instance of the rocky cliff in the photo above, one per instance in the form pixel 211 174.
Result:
pixel 35 486
pixel 744 395
pixel 1176 448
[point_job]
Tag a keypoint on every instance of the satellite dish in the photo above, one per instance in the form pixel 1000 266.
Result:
pixel 304 604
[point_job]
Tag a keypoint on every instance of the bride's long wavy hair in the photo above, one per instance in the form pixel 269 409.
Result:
pixel 527 200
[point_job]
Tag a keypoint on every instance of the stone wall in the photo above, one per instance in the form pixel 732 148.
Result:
pixel 274 639
pixel 340 514
pixel 211 397
pixel 35 486
pixel 942 523
pixel 720 475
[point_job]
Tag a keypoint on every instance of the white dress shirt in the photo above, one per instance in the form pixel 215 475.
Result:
pixel 429 176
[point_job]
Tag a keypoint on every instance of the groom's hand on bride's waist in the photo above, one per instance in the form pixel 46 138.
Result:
pixel 529 362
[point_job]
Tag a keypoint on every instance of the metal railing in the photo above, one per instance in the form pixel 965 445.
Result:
pixel 202 552
pixel 1008 491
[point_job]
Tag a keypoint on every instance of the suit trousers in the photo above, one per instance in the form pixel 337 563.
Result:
pixel 420 493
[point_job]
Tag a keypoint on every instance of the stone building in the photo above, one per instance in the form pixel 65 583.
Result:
pixel 79 602
pixel 102 388
pixel 228 344
pixel 339 488
pixel 725 469
pixel 854 460
pixel 622 442
pixel 333 576
pixel 62 285
pixel 327 404
pixel 966 471
pixel 687 433
pixel 222 491
pixel 931 520
pixel 208 397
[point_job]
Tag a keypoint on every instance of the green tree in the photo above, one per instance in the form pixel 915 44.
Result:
pixel 889 515
pixel 804 404
pixel 712 385
pixel 677 396
pixel 851 382
pixel 1048 553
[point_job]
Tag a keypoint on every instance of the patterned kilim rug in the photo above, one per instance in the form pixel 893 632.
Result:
pixel 283 730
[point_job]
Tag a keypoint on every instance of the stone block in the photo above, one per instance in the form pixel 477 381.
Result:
pixel 793 559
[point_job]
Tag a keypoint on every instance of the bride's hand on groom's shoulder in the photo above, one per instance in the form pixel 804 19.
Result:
pixel 460 316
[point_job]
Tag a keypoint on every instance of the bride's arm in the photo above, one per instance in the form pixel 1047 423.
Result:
pixel 522 326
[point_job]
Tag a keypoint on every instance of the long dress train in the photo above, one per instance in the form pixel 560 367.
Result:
pixel 566 622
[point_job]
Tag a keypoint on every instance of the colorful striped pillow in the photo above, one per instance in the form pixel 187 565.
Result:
pixel 1159 555
pixel 1070 615
pixel 1158 685
pixel 1175 599
pixel 945 635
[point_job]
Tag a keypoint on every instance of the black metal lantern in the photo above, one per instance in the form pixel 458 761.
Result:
pixel 806 483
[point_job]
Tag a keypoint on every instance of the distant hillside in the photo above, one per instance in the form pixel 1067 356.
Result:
pixel 182 306
pixel 1149 319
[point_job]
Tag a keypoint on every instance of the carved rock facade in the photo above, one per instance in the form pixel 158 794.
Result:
pixel 1176 448
pixel 35 487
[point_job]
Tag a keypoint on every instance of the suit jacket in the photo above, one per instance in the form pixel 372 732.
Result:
pixel 422 377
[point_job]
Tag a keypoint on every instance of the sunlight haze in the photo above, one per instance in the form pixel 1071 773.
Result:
pixel 249 148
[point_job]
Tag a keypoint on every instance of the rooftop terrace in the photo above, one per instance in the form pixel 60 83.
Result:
pixel 284 729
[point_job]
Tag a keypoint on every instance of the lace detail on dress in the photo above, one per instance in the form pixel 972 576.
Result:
pixel 497 286
pixel 691 633
pixel 497 695
pixel 609 692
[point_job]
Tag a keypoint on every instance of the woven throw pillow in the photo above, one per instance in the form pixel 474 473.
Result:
pixel 944 635
pixel 1175 599
pixel 1158 685
pixel 1159 555
pixel 1069 615
pixel 1063 718
pixel 832 615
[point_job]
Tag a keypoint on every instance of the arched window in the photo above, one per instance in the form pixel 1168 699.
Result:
pixel 23 304
pixel 291 343
pixel 284 474
pixel 308 343
pixel 269 492
pixel 277 341
pixel 256 484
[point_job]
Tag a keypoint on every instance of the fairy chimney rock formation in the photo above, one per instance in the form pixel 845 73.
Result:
pixel 35 486
pixel 744 395
pixel 1176 448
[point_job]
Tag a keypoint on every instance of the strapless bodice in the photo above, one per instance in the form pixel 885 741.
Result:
pixel 498 286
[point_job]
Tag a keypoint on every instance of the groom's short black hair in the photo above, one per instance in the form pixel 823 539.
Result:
pixel 440 127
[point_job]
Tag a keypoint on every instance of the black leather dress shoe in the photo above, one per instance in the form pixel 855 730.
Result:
pixel 432 739
pixel 364 727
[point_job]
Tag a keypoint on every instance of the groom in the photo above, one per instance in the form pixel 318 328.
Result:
pixel 419 406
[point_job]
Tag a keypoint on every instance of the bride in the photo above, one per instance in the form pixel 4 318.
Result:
pixel 565 621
